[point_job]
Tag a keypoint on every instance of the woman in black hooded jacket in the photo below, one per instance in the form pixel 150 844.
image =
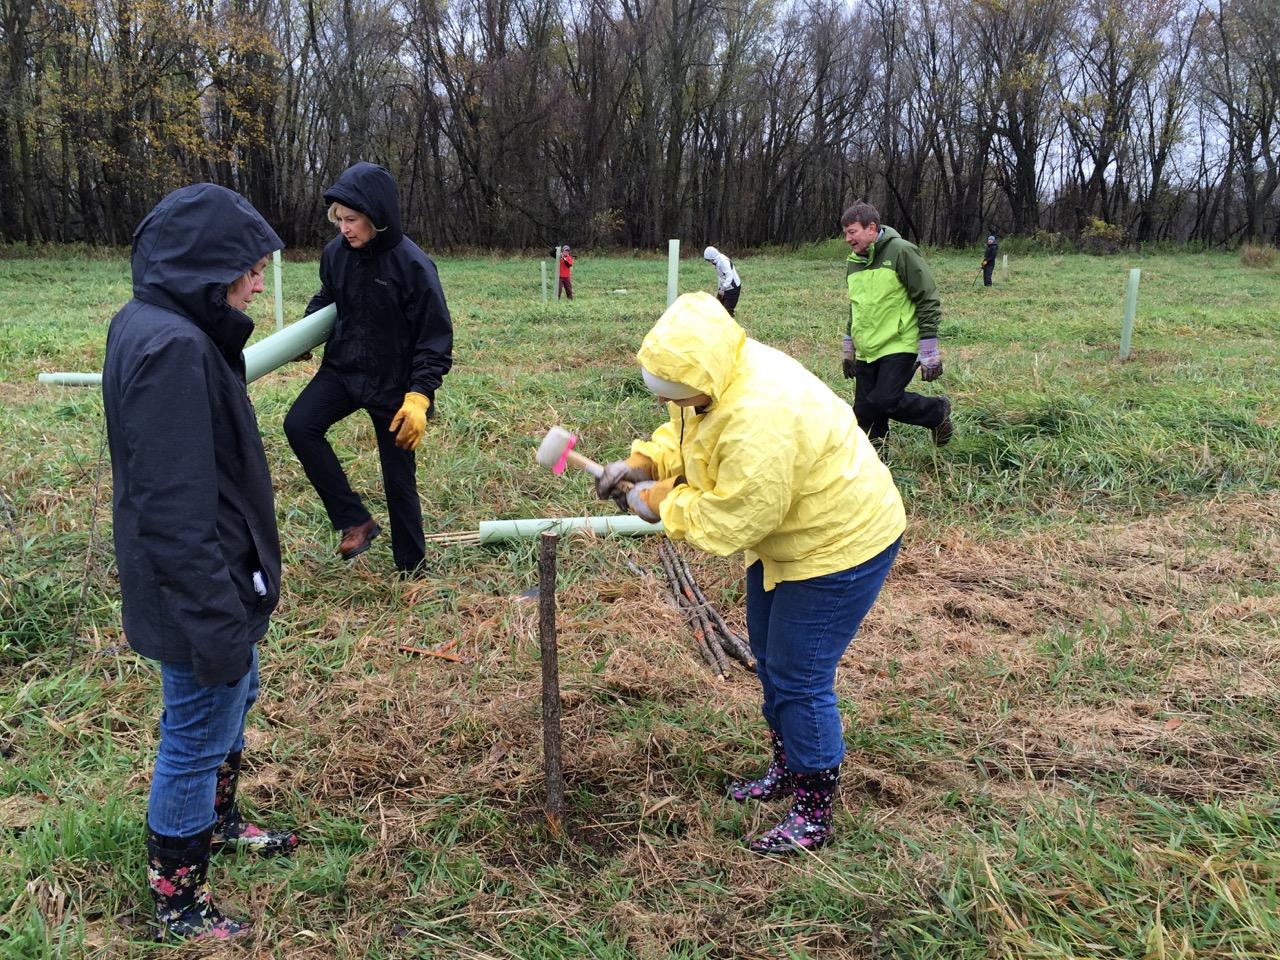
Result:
pixel 392 344
pixel 194 528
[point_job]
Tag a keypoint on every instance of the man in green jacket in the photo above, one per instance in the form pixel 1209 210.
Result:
pixel 892 330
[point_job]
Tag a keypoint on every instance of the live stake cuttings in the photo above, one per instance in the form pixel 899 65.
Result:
pixel 716 642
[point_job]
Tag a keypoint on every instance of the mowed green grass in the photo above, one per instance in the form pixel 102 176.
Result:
pixel 1063 718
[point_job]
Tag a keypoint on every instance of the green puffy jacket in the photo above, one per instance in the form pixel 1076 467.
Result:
pixel 893 301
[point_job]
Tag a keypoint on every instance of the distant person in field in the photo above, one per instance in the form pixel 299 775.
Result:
pixel 989 259
pixel 728 283
pixel 892 329
pixel 566 269
pixel 195 529
pixel 391 346
pixel 759 456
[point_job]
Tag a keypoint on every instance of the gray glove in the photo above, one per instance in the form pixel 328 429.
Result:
pixel 616 473
pixel 638 504
pixel 930 359
pixel 848 355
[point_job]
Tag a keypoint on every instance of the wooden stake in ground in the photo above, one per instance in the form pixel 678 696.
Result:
pixel 550 680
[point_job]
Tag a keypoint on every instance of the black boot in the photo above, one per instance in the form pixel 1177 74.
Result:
pixel 177 872
pixel 944 431
pixel 808 825
pixel 774 783
pixel 231 830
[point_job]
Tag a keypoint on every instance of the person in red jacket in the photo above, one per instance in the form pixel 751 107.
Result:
pixel 566 282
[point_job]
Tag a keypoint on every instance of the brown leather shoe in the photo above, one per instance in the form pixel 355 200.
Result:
pixel 356 540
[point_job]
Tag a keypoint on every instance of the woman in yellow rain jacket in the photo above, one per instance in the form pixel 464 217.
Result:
pixel 760 456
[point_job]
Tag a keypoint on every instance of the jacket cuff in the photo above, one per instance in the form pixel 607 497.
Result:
pixel 638 461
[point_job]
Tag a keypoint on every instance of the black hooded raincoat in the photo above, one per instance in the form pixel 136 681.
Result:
pixel 194 514
pixel 393 334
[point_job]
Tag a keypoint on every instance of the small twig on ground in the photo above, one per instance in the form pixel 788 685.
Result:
pixel 423 651
pixel 462 537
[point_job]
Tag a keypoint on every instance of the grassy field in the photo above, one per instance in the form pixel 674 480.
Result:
pixel 1063 717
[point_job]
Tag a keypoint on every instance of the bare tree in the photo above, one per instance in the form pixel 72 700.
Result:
pixel 1240 62
pixel 1021 39
pixel 1113 47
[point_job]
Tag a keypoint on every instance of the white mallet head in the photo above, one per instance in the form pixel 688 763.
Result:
pixel 555 445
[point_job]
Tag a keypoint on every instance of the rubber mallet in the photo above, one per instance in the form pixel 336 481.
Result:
pixel 556 451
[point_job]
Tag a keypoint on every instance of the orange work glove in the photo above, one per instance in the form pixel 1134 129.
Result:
pixel 646 497
pixel 410 421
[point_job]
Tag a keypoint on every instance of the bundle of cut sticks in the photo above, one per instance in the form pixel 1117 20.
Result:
pixel 716 642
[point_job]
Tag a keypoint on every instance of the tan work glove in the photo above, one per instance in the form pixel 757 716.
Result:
pixel 410 421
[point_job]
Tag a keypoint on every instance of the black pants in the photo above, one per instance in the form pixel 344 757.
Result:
pixel 730 298
pixel 986 273
pixel 880 395
pixel 565 287
pixel 322 403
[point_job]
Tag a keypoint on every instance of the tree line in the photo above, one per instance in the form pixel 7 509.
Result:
pixel 523 123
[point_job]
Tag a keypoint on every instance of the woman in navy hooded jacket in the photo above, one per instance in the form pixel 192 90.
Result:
pixel 392 344
pixel 194 528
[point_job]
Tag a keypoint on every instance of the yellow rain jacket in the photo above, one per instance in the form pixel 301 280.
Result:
pixel 775 465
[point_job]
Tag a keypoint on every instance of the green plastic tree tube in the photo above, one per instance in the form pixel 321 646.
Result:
pixel 673 271
pixel 72 379
pixel 624 525
pixel 289 343
pixel 259 359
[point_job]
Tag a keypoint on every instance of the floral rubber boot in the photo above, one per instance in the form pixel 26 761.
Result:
pixel 232 831
pixel 772 784
pixel 808 825
pixel 177 873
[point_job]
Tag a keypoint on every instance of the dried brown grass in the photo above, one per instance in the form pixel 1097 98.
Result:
pixel 401 743
pixel 1260 255
pixel 423 754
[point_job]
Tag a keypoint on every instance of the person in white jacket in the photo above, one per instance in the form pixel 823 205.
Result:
pixel 728 283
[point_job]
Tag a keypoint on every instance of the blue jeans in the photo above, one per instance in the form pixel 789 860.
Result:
pixel 798 632
pixel 198 728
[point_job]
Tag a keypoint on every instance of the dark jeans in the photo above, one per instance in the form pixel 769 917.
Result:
pixel 198 728
pixel 322 403
pixel 798 632
pixel 566 286
pixel 986 273
pixel 730 298
pixel 880 395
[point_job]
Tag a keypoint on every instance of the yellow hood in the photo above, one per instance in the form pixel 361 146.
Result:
pixel 695 342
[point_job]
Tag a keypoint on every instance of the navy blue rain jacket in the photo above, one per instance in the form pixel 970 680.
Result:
pixel 393 334
pixel 194 514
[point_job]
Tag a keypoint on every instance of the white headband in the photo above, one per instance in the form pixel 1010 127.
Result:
pixel 668 389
